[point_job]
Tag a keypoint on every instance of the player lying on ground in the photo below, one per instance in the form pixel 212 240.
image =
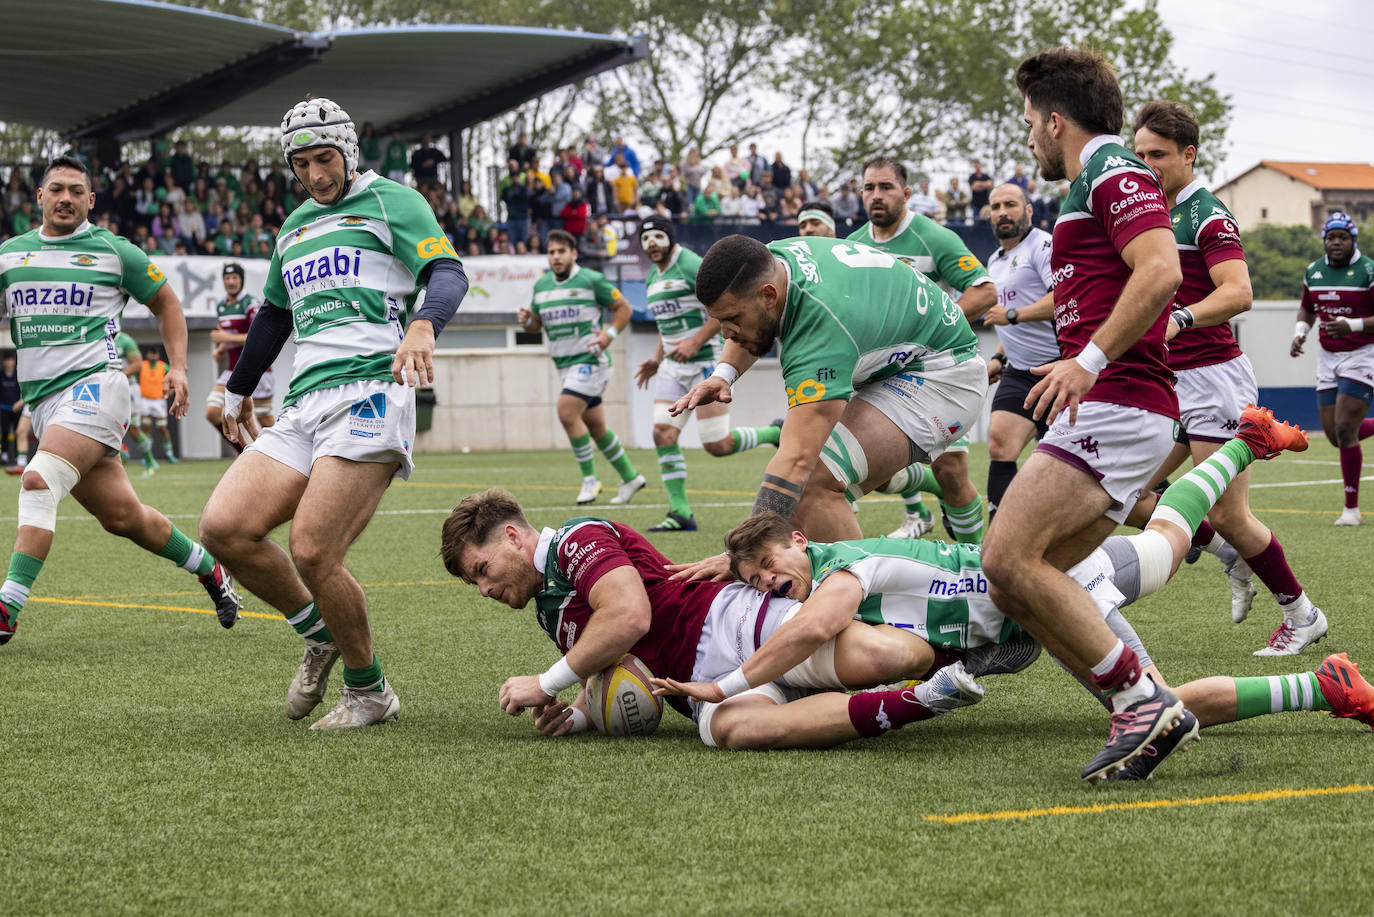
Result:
pixel 601 590
pixel 938 592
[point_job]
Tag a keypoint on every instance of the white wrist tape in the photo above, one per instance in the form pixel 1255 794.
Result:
pixel 578 719
pixel 559 677
pixel 734 683
pixel 726 372
pixel 1301 329
pixel 610 332
pixel 1092 359
pixel 1356 324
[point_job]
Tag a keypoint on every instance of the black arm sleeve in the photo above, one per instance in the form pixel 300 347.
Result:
pixel 267 335
pixel 444 290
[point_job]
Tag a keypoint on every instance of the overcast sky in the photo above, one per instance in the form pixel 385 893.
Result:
pixel 1300 75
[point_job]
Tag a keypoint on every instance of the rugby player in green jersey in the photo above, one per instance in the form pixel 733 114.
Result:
pixel 567 305
pixel 348 266
pixel 127 348
pixel 65 285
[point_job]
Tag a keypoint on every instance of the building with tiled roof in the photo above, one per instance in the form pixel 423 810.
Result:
pixel 1299 193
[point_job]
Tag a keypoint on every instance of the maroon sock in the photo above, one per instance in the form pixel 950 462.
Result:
pixel 1271 566
pixel 1367 428
pixel 1125 673
pixel 875 712
pixel 1204 535
pixel 943 657
pixel 1352 463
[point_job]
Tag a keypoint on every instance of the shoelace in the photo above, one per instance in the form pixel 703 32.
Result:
pixel 1281 637
pixel 1122 724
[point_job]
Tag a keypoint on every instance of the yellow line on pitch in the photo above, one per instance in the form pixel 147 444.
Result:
pixel 963 818
pixel 187 608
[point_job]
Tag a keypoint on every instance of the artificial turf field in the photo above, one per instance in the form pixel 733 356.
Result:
pixel 148 766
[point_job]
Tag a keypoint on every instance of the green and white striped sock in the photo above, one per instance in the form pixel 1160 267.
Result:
pixel 672 468
pixel 966 522
pixel 1187 501
pixel 1277 693
pixel 24 569
pixel 582 451
pixel 186 554
pixel 309 624
pixel 749 437
pixel 610 447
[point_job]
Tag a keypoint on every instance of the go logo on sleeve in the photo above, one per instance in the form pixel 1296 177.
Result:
pixel 432 247
pixel 967 262
pixel 808 391
pixel 154 274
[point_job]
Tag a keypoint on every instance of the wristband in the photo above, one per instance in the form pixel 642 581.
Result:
pixel 1183 317
pixel 610 331
pixel 559 676
pixel 734 683
pixel 1092 359
pixel 727 372
pixel 1301 329
pixel 1356 324
pixel 1000 358
pixel 578 720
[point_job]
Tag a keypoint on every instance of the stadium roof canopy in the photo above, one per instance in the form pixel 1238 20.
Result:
pixel 129 69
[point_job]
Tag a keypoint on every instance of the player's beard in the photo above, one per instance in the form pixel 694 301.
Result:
pixel 763 341
pixel 886 217
pixel 1049 155
pixel 1015 229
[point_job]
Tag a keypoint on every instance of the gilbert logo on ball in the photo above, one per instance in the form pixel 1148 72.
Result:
pixel 620 700
pixel 302 138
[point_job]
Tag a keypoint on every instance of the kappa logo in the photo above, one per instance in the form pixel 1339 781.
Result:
pixel 373 407
pixel 87 391
pixel 569 632
pixel 1089 445
pixel 1115 162
pixel 83 260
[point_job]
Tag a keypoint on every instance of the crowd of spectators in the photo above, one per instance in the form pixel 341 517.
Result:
pixel 174 204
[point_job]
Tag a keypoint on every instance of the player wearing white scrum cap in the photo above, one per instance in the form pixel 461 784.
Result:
pixel 348 266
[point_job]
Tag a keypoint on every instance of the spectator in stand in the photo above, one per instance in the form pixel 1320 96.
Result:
pixel 621 148
pixel 425 161
pixel 571 165
pixel 182 167
pixel 223 195
pixel 545 178
pixel 559 194
pixel 956 201
pixel 979 187
pixel 272 213
pixel 252 195
pixel 190 223
pixel 23 217
pixel 650 189
pixel 730 205
pixel 396 161
pixel 707 206
pixel 166 217
pixel 466 200
pixel 226 172
pixel 591 153
pixel 264 249
pixel 805 186
pixel 369 149
pixel 757 165
pixel 737 168
pixel 516 197
pixel 539 208
pixel 480 220
pixel 693 172
pixel 600 196
pixel 922 201
pixel 224 237
pixel 782 173
pixel 491 242
pixel 718 182
pixel 789 206
pixel 574 213
pixel 167 240
pixel 534 246
pixel 122 203
pixel 624 184
pixel 674 200
pixel 751 204
pixel 149 169
pixel 847 209
pixel 200 193
pixel 521 150
pixel 235 251
pixel 770 196
pixel 15 192
pixel 472 241
pixel 1018 177
pixel 169 192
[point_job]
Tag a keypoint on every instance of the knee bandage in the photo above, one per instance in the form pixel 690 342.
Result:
pixel 662 416
pixel 1156 559
pixel 712 429
pixel 844 458
pixel 38 506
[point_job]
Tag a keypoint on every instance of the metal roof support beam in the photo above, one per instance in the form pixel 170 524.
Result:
pixel 473 111
pixel 188 101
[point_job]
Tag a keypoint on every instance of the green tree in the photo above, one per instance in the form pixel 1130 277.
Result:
pixel 1277 257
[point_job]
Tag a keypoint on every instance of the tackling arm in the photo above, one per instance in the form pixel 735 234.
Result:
pixel 803 436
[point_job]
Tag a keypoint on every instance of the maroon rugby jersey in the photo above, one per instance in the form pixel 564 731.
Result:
pixel 235 317
pixel 1206 235
pixel 582 551
pixel 1341 292
pixel 1114 199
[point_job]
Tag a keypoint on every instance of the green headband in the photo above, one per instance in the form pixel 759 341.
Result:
pixel 821 215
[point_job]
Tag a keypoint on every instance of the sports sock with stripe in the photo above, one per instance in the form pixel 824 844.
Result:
pixel 368 679
pixel 309 624
pixel 966 522
pixel 749 437
pixel 615 454
pixel 186 554
pixel 672 468
pixel 582 451
pixel 1189 499
pixel 1277 693
pixel 24 569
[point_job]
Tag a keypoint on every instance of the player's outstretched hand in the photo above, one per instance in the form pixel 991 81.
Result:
pixel 1065 382
pixel 716 569
pixel 175 385
pixel 239 423
pixel 647 370
pixel 705 691
pixel 414 361
pixel 708 390
pixel 521 691
pixel 559 719
pixel 1296 347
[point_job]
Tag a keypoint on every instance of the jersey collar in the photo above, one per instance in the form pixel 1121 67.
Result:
pixel 1193 187
pixel 1355 256
pixel 672 259
pixel 907 217
pixel 541 552
pixel 84 227
pixel 571 275
pixel 1092 146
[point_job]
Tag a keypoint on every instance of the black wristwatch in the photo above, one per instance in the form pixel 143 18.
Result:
pixel 1011 316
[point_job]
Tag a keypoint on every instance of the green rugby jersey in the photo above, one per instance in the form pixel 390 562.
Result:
pixel 936 590
pixel 673 304
pixel 350 273
pixel 857 315
pixel 66 297
pixel 930 248
pixel 570 311
pixel 126 347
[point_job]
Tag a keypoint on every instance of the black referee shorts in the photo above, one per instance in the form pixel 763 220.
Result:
pixel 1012 389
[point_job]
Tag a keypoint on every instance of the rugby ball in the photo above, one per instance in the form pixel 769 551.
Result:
pixel 620 700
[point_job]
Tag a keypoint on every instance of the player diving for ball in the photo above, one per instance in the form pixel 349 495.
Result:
pixel 938 593
pixel 690 341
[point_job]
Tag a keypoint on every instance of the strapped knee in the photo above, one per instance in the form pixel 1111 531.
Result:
pixel 662 416
pixel 38 505
pixel 713 429
pixel 844 458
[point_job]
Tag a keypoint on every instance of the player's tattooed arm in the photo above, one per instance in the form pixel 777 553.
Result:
pixel 777 495
pixel 807 429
